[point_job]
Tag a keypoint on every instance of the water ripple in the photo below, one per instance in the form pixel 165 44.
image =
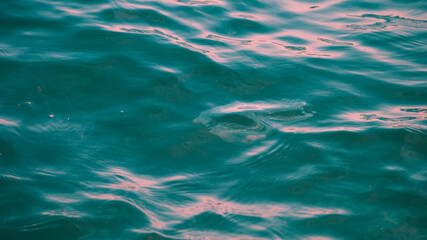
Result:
pixel 248 122
pixel 131 119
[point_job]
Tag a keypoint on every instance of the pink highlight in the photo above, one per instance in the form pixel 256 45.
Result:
pixel 257 151
pixel 249 107
pixel 109 197
pixel 7 123
pixel 14 177
pixel 61 199
pixel 71 11
pixel 388 115
pixel 197 235
pixel 318 238
pixel 194 2
pixel 210 204
pixel 130 182
pixel 308 212
pixel 320 129
pixel 69 214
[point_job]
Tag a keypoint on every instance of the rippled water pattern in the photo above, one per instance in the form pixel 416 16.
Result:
pixel 213 119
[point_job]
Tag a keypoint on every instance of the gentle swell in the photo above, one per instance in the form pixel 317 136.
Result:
pixel 213 119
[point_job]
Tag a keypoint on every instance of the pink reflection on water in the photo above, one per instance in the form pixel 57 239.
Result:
pixel 257 151
pixel 7 123
pixel 318 238
pixel 247 16
pixel 384 56
pixel 146 5
pixel 320 129
pixel 307 212
pixel 166 69
pixel 48 172
pixel 395 20
pixel 196 2
pixel 211 235
pixel 268 45
pixel 71 11
pixel 130 182
pixel 258 17
pixel 155 222
pixel 309 48
pixel 263 44
pixel 211 204
pixel 61 198
pixel 388 115
pixel 110 197
pixel 169 36
pixel 242 107
pixel 132 29
pixel 65 213
pixel 14 176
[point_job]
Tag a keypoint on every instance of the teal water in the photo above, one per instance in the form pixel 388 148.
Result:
pixel 213 119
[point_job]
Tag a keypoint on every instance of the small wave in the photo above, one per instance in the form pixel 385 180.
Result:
pixel 388 21
pixel 391 117
pixel 224 208
pixel 197 2
pixel 125 180
pixel 8 175
pixel 241 27
pixel 8 51
pixel 248 122
pixel 5 122
pixel 96 140
pixel 63 128
pixel 333 42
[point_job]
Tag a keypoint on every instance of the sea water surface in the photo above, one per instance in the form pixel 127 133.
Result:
pixel 213 119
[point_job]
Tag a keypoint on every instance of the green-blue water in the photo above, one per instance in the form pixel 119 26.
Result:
pixel 213 119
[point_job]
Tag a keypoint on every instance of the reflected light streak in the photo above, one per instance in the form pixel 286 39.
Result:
pixel 155 222
pixel 248 106
pixel 194 2
pixel 15 177
pixel 61 199
pixel 130 182
pixel 197 235
pixel 320 129
pixel 318 238
pixel 71 11
pixel 8 123
pixel 388 115
pixel 210 204
pixel 64 213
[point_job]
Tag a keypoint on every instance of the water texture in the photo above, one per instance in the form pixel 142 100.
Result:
pixel 213 119
pixel 248 122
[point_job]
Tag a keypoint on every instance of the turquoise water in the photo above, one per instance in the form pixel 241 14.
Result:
pixel 213 119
